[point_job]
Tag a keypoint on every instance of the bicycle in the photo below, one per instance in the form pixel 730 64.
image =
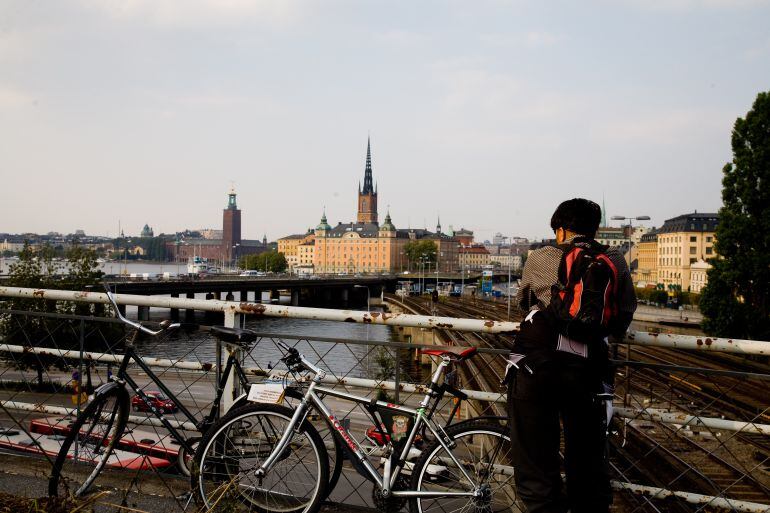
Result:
pixel 269 458
pixel 98 428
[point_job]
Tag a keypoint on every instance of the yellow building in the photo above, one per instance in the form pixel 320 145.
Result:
pixel 474 257
pixel 289 246
pixel 682 242
pixel 365 246
pixel 305 252
pixel 646 272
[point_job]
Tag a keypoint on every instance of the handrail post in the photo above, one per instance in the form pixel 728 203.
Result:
pixel 232 388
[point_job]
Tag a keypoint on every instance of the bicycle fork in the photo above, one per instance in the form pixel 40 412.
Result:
pixel 297 418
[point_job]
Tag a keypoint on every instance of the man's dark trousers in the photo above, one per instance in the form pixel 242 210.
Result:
pixel 561 386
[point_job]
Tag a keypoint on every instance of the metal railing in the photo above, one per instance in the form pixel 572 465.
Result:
pixel 707 427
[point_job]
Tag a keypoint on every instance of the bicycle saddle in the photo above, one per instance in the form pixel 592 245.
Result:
pixel 456 353
pixel 237 336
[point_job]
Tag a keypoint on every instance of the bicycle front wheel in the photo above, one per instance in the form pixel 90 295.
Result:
pixel 89 442
pixel 235 447
pixel 482 465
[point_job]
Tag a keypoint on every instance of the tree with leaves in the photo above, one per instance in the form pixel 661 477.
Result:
pixel 269 261
pixel 36 268
pixel 418 251
pixel 736 301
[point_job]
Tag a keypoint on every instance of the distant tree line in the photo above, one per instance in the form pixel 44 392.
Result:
pixel 269 261
pixel 40 269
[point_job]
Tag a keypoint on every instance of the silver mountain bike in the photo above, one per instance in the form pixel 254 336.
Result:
pixel 270 458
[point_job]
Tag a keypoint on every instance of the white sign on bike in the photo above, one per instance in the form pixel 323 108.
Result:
pixel 266 393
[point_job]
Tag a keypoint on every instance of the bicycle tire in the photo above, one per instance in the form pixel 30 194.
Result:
pixel 484 450
pixel 91 439
pixel 296 484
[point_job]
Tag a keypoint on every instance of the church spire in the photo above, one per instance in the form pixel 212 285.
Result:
pixel 604 214
pixel 368 186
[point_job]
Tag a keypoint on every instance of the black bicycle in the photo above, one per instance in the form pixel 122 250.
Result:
pixel 92 439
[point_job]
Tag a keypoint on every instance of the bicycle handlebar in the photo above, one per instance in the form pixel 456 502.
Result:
pixel 294 358
pixel 165 325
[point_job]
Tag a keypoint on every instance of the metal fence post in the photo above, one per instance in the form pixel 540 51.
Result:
pixel 232 387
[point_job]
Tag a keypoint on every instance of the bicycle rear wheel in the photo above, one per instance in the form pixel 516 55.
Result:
pixel 234 448
pixel 89 443
pixel 484 451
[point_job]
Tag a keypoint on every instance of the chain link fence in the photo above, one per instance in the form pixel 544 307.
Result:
pixel 690 434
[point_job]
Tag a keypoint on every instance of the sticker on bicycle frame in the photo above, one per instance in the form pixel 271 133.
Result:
pixel 266 393
pixel 399 428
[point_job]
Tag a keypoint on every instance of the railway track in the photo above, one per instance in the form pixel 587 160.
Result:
pixel 730 465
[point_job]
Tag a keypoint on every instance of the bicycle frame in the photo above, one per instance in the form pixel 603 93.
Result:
pixel 124 378
pixel 423 416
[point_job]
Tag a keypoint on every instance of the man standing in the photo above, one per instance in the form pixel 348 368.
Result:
pixel 565 366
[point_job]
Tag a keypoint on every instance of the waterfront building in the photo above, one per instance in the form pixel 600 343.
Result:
pixel 147 231
pixel 682 242
pixel 473 257
pixel 464 237
pixel 367 246
pixel 225 250
pixel 289 246
pixel 646 273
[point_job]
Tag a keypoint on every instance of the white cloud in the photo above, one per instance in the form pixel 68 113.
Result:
pixel 202 13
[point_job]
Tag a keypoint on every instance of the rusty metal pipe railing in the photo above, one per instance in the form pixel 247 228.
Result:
pixel 258 309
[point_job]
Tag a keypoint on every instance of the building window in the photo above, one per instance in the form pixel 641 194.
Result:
pixel 693 250
pixel 693 238
pixel 709 251
pixel 693 260
pixel 709 239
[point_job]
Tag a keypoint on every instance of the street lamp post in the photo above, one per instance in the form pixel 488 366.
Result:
pixel 630 234
pixel 235 253
pixel 510 258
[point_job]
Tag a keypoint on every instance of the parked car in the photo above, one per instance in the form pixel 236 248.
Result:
pixel 158 400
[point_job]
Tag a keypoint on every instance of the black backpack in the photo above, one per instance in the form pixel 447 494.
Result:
pixel 583 302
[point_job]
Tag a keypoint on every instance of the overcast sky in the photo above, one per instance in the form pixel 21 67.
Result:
pixel 486 112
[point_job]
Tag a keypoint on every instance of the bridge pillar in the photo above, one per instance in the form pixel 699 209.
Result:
pixel 345 293
pixel 175 311
pixel 230 296
pixel 326 296
pixel 244 296
pixel 295 297
pixel 122 309
pixel 189 314
pixel 209 316
pixel 257 296
pixel 274 294
pixel 143 313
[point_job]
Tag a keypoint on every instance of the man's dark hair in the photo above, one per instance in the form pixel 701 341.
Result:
pixel 578 215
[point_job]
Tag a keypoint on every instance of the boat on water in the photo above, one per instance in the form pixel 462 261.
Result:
pixel 198 265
